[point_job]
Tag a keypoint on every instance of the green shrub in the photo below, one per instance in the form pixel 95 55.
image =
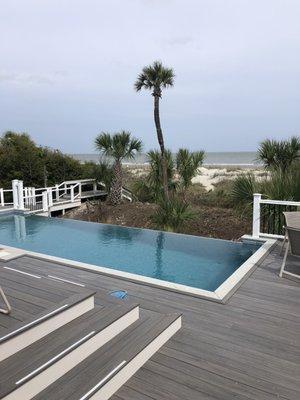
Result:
pixel 172 214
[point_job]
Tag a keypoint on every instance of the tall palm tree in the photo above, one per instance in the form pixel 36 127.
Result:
pixel 118 146
pixel 156 77
pixel 187 164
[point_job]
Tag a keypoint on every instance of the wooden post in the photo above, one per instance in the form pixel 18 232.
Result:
pixel 57 192
pixel 50 198
pixel 33 197
pixel 15 193
pixel 256 215
pixel 45 200
pixel 72 194
pixel 20 195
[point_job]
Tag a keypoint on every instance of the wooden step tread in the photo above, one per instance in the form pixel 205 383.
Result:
pixel 83 381
pixel 29 362
pixel 20 327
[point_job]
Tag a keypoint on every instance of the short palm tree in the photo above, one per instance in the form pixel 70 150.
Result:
pixel 118 146
pixel 156 173
pixel 279 155
pixel 156 77
pixel 187 164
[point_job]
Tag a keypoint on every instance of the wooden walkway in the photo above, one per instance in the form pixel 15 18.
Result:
pixel 246 349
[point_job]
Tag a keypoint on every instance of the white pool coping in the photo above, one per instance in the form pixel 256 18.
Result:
pixel 221 294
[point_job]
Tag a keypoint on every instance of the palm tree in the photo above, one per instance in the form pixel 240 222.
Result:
pixel 156 77
pixel 118 146
pixel 279 155
pixel 187 164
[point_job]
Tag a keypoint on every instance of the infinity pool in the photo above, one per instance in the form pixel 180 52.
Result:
pixel 187 260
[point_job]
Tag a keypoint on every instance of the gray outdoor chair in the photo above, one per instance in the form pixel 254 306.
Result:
pixel 292 219
pixel 293 236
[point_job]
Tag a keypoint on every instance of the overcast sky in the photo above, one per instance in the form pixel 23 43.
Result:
pixel 68 67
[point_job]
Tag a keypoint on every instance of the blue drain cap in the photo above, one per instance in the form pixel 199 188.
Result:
pixel 119 294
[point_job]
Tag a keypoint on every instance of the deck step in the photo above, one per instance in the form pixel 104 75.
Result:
pixel 100 375
pixel 24 334
pixel 33 369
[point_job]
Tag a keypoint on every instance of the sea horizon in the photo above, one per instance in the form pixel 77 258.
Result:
pixel 230 158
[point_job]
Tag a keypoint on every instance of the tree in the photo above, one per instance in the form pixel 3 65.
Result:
pixel 21 158
pixel 279 155
pixel 156 77
pixel 118 146
pixel 187 164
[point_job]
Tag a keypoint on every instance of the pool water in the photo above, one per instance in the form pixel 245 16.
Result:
pixel 199 262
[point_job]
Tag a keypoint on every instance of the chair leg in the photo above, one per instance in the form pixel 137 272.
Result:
pixel 8 307
pixel 284 240
pixel 284 261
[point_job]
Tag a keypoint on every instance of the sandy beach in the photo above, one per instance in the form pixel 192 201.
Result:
pixel 208 176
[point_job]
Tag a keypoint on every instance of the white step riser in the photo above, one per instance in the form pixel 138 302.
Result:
pixel 38 331
pixel 115 383
pixel 45 378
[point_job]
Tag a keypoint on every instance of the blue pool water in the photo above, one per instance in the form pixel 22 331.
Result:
pixel 193 261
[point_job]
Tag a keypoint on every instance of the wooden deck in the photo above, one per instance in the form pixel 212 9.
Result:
pixel 246 349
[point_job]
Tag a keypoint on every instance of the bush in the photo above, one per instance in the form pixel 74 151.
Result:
pixel 172 214
pixel 243 188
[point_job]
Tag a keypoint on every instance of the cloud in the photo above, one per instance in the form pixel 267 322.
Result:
pixel 180 41
pixel 25 78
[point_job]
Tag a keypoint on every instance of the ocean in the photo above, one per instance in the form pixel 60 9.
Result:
pixel 238 158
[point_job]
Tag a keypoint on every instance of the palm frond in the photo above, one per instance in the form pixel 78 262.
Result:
pixel 279 155
pixel 155 76
pixel 118 145
pixel 187 164
pixel 103 143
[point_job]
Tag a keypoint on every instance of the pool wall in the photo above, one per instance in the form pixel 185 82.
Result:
pixel 220 295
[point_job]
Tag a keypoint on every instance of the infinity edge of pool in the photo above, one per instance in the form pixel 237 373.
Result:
pixel 221 294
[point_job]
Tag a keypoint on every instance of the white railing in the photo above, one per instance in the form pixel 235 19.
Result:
pixel 6 197
pixel 44 198
pixel 257 214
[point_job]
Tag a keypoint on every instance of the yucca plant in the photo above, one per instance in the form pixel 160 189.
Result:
pixel 155 78
pixel 118 146
pixel 172 214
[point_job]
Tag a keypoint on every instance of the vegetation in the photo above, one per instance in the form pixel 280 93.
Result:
pixel 280 156
pixel 118 146
pixel 102 172
pixel 21 158
pixel 187 164
pixel 172 214
pixel 174 211
pixel 156 77
pixel 282 161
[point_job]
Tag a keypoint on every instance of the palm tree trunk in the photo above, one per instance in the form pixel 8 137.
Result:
pixel 115 194
pixel 160 139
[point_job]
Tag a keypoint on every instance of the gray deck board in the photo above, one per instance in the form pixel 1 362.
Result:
pixel 30 297
pixel 248 348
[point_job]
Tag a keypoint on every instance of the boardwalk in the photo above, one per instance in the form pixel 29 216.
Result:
pixel 248 348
